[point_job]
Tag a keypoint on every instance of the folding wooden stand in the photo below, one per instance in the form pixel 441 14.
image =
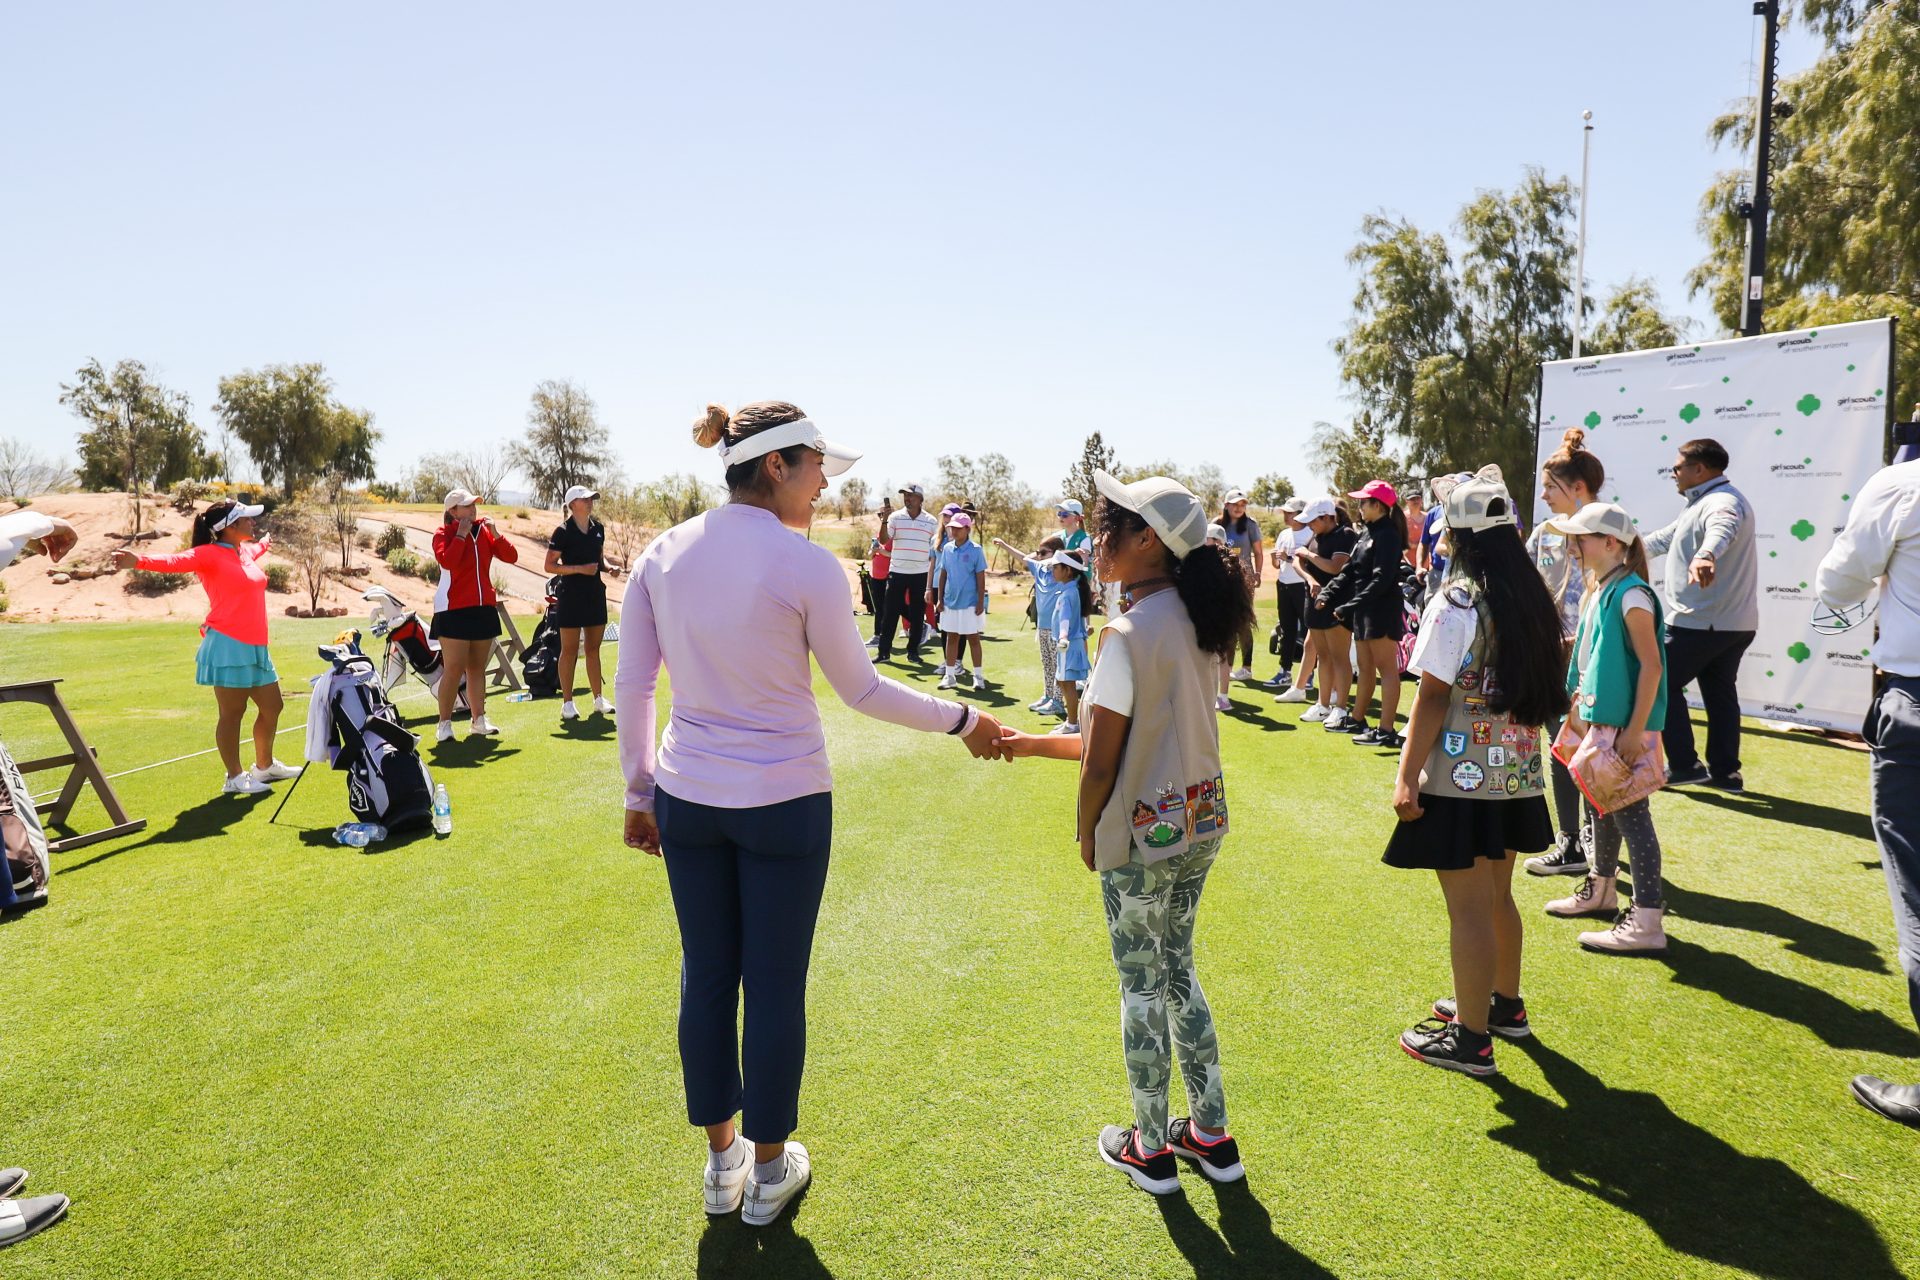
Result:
pixel 507 650
pixel 83 768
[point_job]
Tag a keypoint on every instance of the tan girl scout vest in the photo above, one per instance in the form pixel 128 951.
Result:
pixel 1170 791
pixel 1481 755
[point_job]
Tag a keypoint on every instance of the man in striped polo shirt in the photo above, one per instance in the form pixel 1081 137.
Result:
pixel 908 540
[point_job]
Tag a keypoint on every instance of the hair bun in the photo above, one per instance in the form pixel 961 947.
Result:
pixel 710 426
pixel 1574 439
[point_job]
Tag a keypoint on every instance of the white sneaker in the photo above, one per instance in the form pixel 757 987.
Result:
pixel 481 728
pixel 1336 719
pixel 1065 726
pixel 275 772
pixel 1040 704
pixel 1223 703
pixel 979 681
pixel 243 784
pixel 1295 694
pixel 1240 673
pixel 949 681
pixel 1314 714
pixel 873 642
pixel 568 711
pixel 443 732
pixel 765 1200
pixel 602 706
pixel 723 1188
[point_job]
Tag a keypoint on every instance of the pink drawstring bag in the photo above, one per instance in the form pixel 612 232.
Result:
pixel 1607 781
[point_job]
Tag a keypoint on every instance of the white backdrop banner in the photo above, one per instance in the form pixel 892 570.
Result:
pixel 1805 416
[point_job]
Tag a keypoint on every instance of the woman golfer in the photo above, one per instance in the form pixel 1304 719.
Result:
pixel 575 555
pixel 233 659
pixel 738 604
pixel 465 617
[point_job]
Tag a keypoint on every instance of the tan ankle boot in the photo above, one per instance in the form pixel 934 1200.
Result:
pixel 1638 931
pixel 1595 897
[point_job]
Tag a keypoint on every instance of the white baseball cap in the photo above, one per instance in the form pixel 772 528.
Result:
pixel 1072 507
pixel 1235 495
pixel 1216 532
pixel 1481 501
pixel 913 488
pixel 1294 506
pixel 1318 507
pixel 576 493
pixel 1595 517
pixel 458 497
pixel 1166 505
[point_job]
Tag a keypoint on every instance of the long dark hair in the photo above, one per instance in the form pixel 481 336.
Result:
pixel 748 478
pixel 1524 653
pixel 1209 581
pixel 1398 515
pixel 1239 526
pixel 203 531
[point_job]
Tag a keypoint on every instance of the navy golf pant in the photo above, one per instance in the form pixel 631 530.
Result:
pixel 746 887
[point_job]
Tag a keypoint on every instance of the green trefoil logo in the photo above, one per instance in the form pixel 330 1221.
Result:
pixel 1689 412
pixel 1798 651
pixel 1808 404
pixel 1593 419
pixel 1803 529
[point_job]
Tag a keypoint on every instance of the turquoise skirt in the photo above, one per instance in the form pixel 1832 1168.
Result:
pixel 225 663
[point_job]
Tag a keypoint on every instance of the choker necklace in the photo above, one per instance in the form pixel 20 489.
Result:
pixel 1131 592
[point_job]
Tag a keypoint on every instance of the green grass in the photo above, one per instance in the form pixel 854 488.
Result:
pixel 245 1051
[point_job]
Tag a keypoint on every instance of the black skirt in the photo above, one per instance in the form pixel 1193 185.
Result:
pixel 580 601
pixel 1455 832
pixel 474 622
pixel 1384 621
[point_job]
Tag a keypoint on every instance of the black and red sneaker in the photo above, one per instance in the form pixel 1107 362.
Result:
pixel 1505 1017
pixel 1218 1158
pixel 1159 1174
pixel 1449 1045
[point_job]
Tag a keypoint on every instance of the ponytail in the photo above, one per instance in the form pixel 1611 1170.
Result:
pixel 203 523
pixel 1218 600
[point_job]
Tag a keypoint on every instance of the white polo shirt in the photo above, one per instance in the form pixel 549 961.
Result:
pixel 1881 541
pixel 912 541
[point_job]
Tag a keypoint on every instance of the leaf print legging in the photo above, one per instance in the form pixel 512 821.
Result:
pixel 1048 648
pixel 1150 909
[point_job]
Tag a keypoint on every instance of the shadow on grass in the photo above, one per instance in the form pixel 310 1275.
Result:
pixel 594 728
pixel 465 753
pixel 1245 1245
pixel 730 1248
pixel 1799 813
pixel 1807 937
pixel 1836 1022
pixel 1699 1194
pixel 322 838
pixel 210 817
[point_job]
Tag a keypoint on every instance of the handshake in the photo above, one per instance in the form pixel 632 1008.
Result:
pixel 991 740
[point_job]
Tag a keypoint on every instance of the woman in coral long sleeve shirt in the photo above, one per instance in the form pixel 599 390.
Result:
pixel 233 659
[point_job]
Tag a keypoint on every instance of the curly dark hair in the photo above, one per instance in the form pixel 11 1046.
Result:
pixel 1218 600
pixel 1524 651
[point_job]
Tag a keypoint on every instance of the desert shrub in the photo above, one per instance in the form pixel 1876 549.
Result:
pixel 145 582
pixel 499 583
pixel 392 538
pixel 363 540
pixel 403 561
pixel 859 543
pixel 279 577
pixel 4 602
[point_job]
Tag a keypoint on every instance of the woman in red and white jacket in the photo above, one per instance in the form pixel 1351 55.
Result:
pixel 465 620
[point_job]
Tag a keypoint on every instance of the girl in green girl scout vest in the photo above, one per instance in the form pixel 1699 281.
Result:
pixel 1618 677
pixel 1153 811
pixel 1471 791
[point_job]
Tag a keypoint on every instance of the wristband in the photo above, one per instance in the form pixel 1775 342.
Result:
pixel 969 718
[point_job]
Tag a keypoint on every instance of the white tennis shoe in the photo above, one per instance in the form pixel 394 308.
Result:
pixel 765 1201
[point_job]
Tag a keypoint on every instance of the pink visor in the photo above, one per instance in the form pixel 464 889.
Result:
pixel 1378 490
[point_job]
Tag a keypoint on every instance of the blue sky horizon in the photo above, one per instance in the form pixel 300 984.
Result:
pixel 938 232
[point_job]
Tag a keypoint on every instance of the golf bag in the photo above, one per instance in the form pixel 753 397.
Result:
pixel 28 867
pixel 387 781
pixel 409 647
pixel 541 665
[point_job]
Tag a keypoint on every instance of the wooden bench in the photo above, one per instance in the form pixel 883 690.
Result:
pixel 83 767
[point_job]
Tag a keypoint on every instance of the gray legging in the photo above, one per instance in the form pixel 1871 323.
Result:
pixel 1635 823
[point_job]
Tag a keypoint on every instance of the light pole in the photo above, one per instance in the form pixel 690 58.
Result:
pixel 1756 210
pixel 1580 254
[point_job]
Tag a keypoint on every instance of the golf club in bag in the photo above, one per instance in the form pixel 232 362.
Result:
pixel 409 647
pixel 352 724
pixel 27 864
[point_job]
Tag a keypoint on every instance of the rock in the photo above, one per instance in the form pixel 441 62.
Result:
pixel 293 611
pixel 61 579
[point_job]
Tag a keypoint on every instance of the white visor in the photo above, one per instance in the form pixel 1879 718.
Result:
pixel 785 436
pixel 1068 559
pixel 241 511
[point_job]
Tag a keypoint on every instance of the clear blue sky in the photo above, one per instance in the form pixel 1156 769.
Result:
pixel 937 228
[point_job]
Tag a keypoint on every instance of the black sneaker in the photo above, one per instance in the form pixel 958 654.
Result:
pixel 1218 1158
pixel 1503 1019
pixel 1389 738
pixel 1159 1174
pixel 1368 737
pixel 1689 777
pixel 1567 859
pixel 1732 782
pixel 1449 1045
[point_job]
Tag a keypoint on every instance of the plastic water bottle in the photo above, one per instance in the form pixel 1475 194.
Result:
pixel 442 810
pixel 520 696
pixel 360 834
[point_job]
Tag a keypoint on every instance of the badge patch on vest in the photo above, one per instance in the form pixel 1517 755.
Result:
pixel 1469 680
pixel 1468 776
pixel 1482 732
pixel 1496 757
pixel 1143 815
pixel 1454 744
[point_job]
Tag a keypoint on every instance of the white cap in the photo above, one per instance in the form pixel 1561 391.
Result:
pixel 1596 517
pixel 458 497
pixel 913 488
pixel 576 493
pixel 241 511
pixel 834 461
pixel 1216 533
pixel 1481 501
pixel 1235 495
pixel 1294 506
pixel 1167 507
pixel 1315 509
pixel 1072 507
